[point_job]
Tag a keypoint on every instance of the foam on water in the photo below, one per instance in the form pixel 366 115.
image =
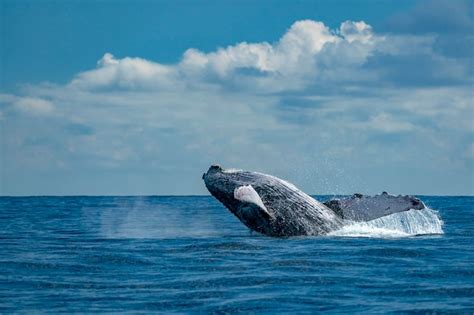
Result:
pixel 402 224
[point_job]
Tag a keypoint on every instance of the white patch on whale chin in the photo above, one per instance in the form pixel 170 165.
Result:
pixel 248 194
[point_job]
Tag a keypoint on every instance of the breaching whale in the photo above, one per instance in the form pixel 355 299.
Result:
pixel 275 207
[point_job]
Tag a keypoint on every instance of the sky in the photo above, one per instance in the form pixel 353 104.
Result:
pixel 141 97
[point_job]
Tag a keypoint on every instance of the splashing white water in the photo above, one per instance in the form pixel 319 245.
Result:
pixel 401 224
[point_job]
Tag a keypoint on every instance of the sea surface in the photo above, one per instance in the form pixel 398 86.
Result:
pixel 189 254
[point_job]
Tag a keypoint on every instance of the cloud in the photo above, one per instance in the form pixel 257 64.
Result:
pixel 125 73
pixel 435 16
pixel 308 56
pixel 356 31
pixel 386 123
pixel 451 22
pixel 328 109
pixel 290 63
pixel 28 105
pixel 300 43
pixel 34 105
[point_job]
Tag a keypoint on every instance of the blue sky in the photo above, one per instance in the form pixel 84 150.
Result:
pixel 102 97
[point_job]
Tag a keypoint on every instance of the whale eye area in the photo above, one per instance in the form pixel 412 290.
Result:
pixel 215 167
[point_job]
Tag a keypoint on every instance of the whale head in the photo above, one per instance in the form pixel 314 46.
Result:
pixel 235 190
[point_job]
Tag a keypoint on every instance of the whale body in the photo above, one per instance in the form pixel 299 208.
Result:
pixel 270 205
pixel 275 207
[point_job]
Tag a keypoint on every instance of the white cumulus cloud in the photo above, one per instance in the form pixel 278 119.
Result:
pixel 290 63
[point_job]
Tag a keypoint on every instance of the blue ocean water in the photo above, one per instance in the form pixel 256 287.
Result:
pixel 189 254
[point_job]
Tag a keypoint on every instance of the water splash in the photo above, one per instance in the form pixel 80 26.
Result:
pixel 401 224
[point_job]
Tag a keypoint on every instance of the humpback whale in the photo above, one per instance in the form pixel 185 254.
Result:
pixel 275 207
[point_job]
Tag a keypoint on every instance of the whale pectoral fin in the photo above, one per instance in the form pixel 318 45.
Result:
pixel 251 200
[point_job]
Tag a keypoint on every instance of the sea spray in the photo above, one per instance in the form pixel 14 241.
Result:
pixel 154 218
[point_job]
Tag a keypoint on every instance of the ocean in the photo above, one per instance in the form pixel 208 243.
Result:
pixel 189 254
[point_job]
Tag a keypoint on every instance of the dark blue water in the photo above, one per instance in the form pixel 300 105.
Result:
pixel 188 254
